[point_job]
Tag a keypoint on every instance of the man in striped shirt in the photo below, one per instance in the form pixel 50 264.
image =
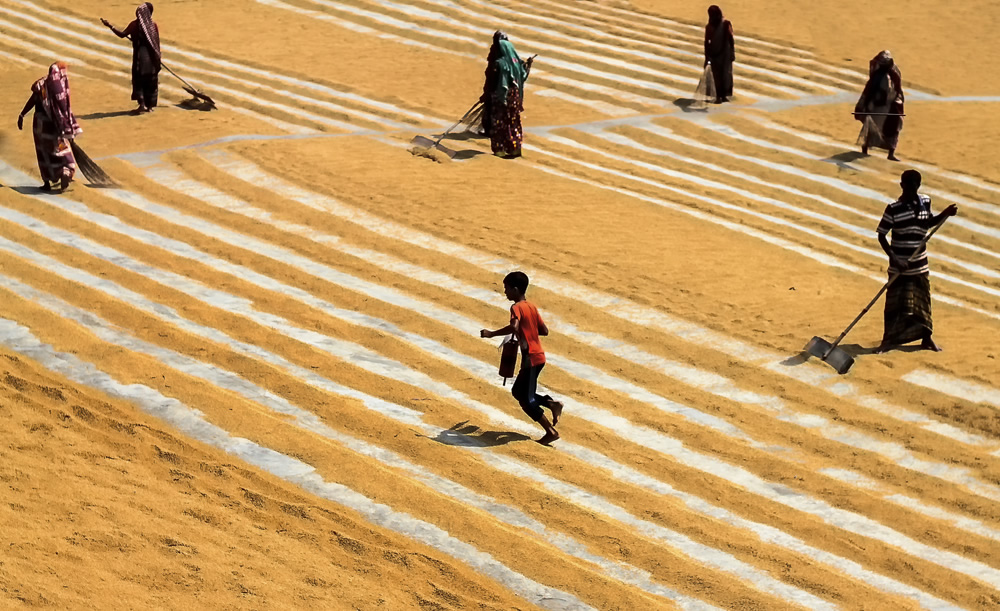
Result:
pixel 908 299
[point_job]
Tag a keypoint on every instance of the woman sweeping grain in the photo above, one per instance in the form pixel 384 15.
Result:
pixel 146 57
pixel 880 107
pixel 508 75
pixel 53 127
pixel 489 83
pixel 720 52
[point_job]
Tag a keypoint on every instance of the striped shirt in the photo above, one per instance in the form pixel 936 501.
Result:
pixel 909 221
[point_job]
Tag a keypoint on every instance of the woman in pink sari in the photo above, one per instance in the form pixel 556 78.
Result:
pixel 53 127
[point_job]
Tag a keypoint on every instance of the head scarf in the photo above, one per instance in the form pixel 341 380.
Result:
pixel 510 70
pixel 880 62
pixel 494 53
pixel 883 64
pixel 54 90
pixel 714 15
pixel 144 15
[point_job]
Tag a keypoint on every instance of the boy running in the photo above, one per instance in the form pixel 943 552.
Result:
pixel 526 323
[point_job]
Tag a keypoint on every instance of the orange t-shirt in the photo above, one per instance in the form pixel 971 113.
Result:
pixel 530 320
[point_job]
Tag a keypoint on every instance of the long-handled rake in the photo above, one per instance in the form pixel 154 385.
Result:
pixel 190 89
pixel 838 357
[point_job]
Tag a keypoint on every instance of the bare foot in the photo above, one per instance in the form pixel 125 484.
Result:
pixel 548 438
pixel 556 407
pixel 892 157
pixel 928 344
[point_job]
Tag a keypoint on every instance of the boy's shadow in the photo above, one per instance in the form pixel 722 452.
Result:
pixel 470 435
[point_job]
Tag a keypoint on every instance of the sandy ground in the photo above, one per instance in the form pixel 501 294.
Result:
pixel 940 47
pixel 285 270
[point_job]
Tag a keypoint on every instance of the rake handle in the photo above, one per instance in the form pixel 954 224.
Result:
pixel 457 123
pixel 884 288
pixel 176 76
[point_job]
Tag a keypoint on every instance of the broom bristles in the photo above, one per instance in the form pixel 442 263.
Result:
pixel 870 134
pixel 705 91
pixel 89 168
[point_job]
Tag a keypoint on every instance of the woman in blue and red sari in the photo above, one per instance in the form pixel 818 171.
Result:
pixel 145 36
pixel 53 127
pixel 508 75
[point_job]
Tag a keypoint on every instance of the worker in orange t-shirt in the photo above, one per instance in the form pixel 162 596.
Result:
pixel 526 323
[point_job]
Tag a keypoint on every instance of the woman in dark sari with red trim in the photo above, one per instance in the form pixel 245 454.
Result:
pixel 145 36
pixel 508 75
pixel 53 127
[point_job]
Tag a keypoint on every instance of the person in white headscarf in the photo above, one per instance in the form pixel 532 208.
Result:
pixel 146 56
pixel 880 107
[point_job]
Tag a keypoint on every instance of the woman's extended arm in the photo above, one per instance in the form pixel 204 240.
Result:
pixel 24 111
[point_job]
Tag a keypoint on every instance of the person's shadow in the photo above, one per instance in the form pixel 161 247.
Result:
pixel 33 190
pixel 106 115
pixel 689 105
pixel 843 160
pixel 469 435
pixel 467 135
pixel 466 154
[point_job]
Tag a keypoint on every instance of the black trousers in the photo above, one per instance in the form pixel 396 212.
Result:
pixel 525 390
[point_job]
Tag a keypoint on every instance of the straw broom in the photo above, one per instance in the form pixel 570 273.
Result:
pixel 89 168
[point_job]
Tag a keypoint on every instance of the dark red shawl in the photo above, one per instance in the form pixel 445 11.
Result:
pixel 54 91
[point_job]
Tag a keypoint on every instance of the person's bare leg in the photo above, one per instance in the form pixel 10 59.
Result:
pixel 556 407
pixel 892 155
pixel 551 434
